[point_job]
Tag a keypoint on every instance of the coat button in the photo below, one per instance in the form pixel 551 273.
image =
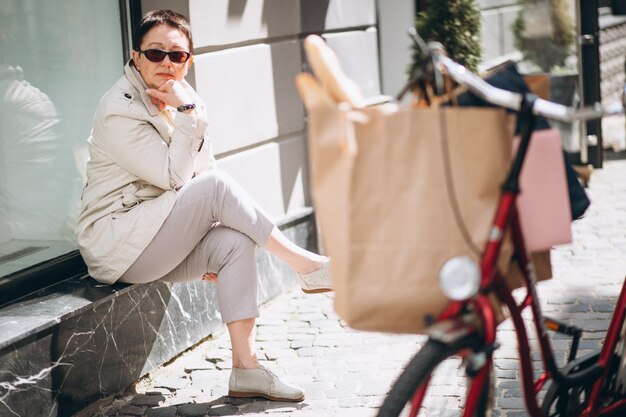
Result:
pixel 128 96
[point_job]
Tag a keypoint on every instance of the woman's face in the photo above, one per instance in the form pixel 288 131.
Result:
pixel 166 38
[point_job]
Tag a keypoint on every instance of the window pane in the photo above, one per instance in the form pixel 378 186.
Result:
pixel 57 58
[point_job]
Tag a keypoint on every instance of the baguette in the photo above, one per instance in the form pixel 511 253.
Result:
pixel 312 93
pixel 327 69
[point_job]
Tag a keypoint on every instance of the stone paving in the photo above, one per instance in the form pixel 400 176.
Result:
pixel 347 373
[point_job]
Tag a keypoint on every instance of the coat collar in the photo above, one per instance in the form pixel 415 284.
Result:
pixel 134 77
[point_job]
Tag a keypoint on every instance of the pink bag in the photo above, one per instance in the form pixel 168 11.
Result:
pixel 544 207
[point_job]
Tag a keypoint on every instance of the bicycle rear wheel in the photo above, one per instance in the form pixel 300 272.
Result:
pixel 562 401
pixel 569 401
pixel 423 369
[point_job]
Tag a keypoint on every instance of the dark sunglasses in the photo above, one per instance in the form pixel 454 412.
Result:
pixel 157 55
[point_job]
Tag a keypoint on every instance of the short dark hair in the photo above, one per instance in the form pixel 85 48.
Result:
pixel 162 17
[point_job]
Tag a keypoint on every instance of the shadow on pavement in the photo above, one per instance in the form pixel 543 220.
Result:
pixel 222 406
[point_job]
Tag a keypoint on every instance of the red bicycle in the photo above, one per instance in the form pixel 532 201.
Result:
pixel 588 386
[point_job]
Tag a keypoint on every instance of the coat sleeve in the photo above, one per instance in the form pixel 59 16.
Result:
pixel 137 146
pixel 205 159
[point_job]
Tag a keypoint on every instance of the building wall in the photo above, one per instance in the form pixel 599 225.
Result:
pixel 497 40
pixel 394 18
pixel 247 54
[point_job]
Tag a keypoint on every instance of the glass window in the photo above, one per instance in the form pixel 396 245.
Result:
pixel 57 58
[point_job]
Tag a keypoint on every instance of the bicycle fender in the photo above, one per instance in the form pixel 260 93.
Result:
pixel 450 331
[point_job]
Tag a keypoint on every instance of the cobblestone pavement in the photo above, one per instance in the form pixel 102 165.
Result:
pixel 347 373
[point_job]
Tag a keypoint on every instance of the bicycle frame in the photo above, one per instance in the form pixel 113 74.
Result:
pixel 551 371
pixel 506 218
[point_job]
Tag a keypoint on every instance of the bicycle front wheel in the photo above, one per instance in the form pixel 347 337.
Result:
pixel 435 364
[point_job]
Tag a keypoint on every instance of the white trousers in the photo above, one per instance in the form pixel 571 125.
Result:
pixel 214 226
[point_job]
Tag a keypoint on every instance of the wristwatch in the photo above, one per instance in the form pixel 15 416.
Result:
pixel 185 107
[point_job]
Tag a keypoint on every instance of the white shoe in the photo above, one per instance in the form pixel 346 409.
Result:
pixel 261 382
pixel 318 280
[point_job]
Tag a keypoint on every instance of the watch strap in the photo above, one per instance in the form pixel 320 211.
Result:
pixel 185 107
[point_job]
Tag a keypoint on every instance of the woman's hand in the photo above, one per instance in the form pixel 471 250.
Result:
pixel 210 276
pixel 172 93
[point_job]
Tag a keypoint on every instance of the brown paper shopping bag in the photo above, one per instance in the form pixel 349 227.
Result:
pixel 397 192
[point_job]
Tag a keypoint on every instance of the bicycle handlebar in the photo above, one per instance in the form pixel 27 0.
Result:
pixel 513 101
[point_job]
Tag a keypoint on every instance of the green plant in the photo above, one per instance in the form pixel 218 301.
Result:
pixel 544 32
pixel 454 23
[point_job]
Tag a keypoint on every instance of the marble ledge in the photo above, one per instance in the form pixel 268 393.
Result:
pixel 49 307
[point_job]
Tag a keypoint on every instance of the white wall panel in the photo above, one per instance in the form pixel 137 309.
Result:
pixel 320 15
pixel 220 22
pixel 491 4
pixel 179 6
pixel 274 174
pixel 250 93
pixel 358 54
pixel 395 17
pixel 491 35
pixel 509 15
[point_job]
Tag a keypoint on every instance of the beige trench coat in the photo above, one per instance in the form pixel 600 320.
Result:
pixel 138 158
